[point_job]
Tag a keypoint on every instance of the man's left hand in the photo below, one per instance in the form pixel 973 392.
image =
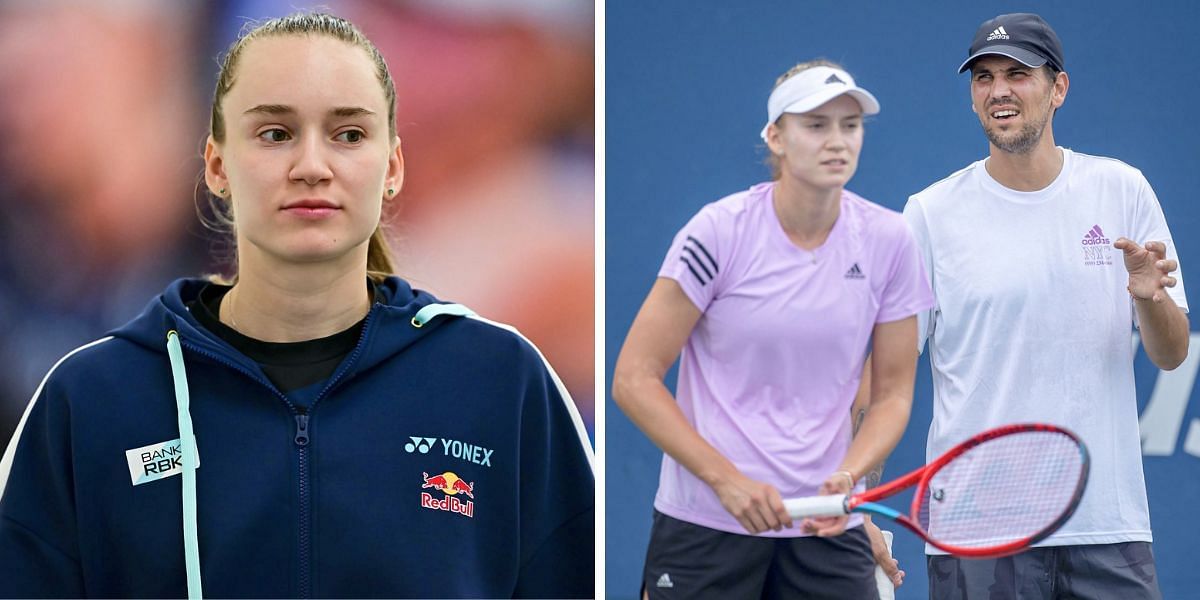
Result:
pixel 1149 269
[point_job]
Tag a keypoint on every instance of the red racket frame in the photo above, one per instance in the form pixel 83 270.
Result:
pixel 923 475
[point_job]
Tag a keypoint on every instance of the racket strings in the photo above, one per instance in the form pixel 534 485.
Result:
pixel 1004 490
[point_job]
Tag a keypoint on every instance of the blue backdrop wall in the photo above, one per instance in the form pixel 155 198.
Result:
pixel 686 91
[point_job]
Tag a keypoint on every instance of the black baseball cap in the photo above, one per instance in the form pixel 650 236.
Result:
pixel 1024 37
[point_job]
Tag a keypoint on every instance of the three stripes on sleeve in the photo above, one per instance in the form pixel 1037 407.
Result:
pixel 699 261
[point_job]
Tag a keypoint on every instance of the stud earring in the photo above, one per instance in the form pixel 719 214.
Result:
pixel 221 193
pixel 390 192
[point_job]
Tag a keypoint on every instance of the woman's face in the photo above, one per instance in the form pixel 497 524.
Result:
pixel 820 147
pixel 307 158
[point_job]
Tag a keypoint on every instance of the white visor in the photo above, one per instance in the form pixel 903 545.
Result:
pixel 810 89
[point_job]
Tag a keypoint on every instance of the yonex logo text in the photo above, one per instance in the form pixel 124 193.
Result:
pixel 463 450
pixel 468 452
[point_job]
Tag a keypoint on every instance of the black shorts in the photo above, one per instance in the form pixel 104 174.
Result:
pixel 685 560
pixel 1124 571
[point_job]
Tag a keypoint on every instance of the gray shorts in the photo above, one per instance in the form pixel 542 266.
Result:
pixel 685 560
pixel 1124 571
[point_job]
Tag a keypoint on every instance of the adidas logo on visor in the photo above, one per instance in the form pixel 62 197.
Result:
pixel 998 34
pixel 834 79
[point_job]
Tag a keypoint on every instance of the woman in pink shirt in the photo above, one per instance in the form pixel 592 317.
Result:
pixel 771 298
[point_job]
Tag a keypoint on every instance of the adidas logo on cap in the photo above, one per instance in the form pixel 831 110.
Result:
pixel 998 34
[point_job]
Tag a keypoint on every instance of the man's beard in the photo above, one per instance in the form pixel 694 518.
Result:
pixel 1024 141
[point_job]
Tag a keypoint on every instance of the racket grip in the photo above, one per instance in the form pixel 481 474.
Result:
pixel 887 591
pixel 817 506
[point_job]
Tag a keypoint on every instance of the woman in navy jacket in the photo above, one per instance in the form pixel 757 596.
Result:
pixel 314 427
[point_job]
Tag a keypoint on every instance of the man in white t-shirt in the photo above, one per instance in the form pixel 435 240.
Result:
pixel 1041 259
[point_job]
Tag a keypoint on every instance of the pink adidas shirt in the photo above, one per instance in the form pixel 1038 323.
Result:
pixel 769 373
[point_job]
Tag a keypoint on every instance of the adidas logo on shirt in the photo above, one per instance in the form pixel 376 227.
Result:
pixel 855 273
pixel 1095 237
pixel 1097 248
pixel 998 34
pixel 665 581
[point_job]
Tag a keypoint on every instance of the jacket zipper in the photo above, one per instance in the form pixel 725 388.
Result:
pixel 305 504
pixel 301 441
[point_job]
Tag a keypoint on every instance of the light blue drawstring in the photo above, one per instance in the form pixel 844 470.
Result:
pixel 187 442
pixel 429 311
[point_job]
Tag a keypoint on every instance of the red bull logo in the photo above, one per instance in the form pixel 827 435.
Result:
pixel 451 485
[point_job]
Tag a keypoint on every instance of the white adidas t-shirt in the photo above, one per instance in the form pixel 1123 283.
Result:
pixel 1033 321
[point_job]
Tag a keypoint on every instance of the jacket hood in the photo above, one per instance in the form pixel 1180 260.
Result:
pixel 389 329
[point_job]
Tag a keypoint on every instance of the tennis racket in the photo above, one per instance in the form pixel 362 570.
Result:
pixel 993 495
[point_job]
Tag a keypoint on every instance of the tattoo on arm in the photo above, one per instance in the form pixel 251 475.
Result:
pixel 874 475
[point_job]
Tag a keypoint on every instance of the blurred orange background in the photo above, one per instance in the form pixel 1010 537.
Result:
pixel 104 111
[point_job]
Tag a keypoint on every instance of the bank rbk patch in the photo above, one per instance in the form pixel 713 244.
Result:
pixel 153 462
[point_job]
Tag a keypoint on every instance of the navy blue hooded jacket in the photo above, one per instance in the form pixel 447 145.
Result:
pixel 442 459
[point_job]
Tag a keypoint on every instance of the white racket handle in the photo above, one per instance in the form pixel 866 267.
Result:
pixel 817 506
pixel 887 591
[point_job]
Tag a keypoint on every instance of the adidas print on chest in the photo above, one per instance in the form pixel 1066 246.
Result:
pixel 1097 248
